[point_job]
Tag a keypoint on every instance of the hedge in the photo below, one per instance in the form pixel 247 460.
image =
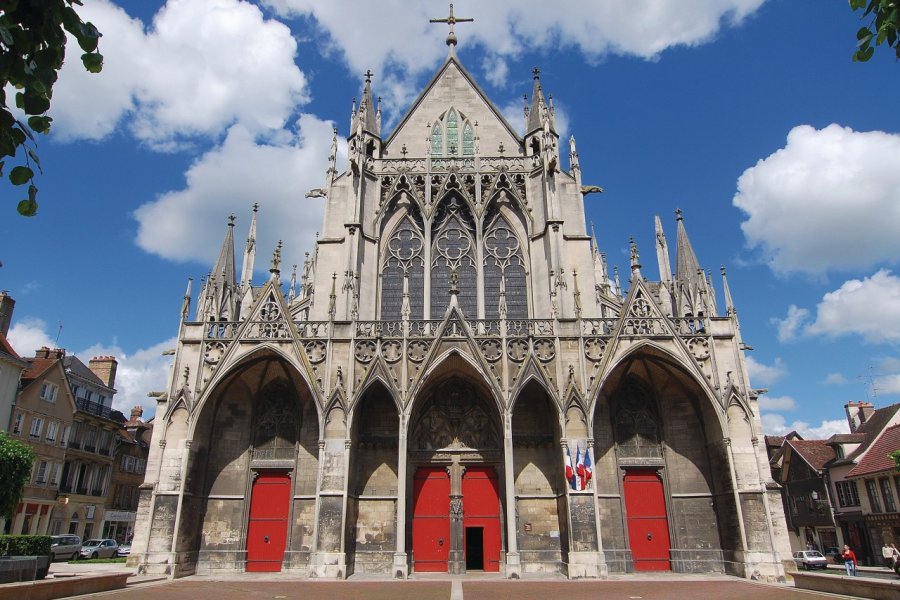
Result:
pixel 24 545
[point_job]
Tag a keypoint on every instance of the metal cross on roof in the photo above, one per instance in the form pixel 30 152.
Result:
pixel 451 21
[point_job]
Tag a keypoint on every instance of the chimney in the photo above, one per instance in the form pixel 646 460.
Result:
pixel 858 413
pixel 104 367
pixel 45 352
pixel 866 410
pixel 7 304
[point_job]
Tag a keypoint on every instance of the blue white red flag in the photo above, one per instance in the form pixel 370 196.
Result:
pixel 570 472
pixel 587 471
pixel 577 479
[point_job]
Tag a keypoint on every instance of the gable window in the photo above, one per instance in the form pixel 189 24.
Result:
pixel 52 430
pixel 452 134
pixel 48 392
pixel 37 425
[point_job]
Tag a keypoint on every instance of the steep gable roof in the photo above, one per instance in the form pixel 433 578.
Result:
pixel 73 363
pixel 870 429
pixel 816 453
pixel 878 458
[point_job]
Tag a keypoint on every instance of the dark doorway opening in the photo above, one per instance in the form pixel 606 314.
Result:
pixel 474 548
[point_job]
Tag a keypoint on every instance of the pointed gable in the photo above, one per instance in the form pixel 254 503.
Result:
pixel 452 87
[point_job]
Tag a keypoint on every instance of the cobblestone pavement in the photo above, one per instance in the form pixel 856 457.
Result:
pixel 718 589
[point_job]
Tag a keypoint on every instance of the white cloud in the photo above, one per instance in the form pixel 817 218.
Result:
pixel 888 384
pixel 190 223
pixel 202 66
pixel 761 374
pixel 834 379
pixel 869 307
pixel 28 335
pixel 775 424
pixel 495 69
pixel 776 403
pixel 828 200
pixel 790 325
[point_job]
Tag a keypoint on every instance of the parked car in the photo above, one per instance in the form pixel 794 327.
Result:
pixel 810 559
pixel 834 553
pixel 124 549
pixel 65 546
pixel 99 548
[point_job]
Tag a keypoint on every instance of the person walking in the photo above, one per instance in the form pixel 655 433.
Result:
pixel 895 558
pixel 849 560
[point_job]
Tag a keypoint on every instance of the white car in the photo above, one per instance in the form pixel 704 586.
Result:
pixel 810 559
pixel 99 548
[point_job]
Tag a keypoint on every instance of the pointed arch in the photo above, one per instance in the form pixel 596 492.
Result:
pixel 437 139
pixel 505 265
pixel 452 133
pixel 403 266
pixel 453 251
pixel 468 140
pixel 531 370
pixel 378 373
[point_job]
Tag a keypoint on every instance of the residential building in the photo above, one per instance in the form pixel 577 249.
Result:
pixel 11 364
pixel 878 482
pixel 130 465
pixel 455 338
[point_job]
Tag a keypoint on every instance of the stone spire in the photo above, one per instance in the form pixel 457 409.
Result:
pixel 219 297
pixel 689 278
pixel 662 254
pixel 729 303
pixel 249 254
pixel 635 260
pixel 540 114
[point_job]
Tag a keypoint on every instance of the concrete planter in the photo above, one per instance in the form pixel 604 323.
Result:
pixel 23 568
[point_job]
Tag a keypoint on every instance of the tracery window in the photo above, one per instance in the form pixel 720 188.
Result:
pixel 636 425
pixel 437 140
pixel 453 251
pixel 452 134
pixel 504 272
pixel 446 133
pixel 405 260
pixel 277 423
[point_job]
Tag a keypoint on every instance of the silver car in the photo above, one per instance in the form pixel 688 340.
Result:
pixel 65 546
pixel 810 559
pixel 98 548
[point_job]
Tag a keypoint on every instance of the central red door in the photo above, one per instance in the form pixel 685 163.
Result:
pixel 481 510
pixel 270 503
pixel 431 520
pixel 648 527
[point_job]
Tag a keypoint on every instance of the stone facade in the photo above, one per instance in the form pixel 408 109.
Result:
pixel 457 319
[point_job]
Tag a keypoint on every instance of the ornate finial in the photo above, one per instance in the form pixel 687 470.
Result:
pixel 451 21
pixel 678 214
pixel 403 150
pixel 276 259
pixel 368 75
pixel 501 149
pixel 256 207
pixel 231 220
pixel 536 73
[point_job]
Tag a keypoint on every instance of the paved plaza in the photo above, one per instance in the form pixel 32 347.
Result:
pixel 661 588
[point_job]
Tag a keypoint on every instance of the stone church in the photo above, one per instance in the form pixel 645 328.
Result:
pixel 455 341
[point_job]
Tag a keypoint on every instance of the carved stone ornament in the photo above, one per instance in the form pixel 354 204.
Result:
pixel 593 348
pixel 392 351
pixel 417 350
pixel 545 350
pixel 699 347
pixel 365 351
pixel 517 349
pixel 455 420
pixel 492 350
pixel 214 352
pixel 315 351
pixel 269 311
pixel 456 507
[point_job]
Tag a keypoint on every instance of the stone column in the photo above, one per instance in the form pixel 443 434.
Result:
pixel 513 558
pixel 457 561
pixel 401 568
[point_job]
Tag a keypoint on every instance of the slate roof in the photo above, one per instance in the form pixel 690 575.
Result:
pixel 36 368
pixel 877 459
pixel 78 368
pixel 815 452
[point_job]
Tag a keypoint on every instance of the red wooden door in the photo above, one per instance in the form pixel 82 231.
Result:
pixel 481 509
pixel 431 520
pixel 270 504
pixel 648 527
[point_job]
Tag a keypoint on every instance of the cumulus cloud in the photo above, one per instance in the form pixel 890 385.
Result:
pixel 834 379
pixel 202 66
pixel 28 335
pixel 775 424
pixel 138 373
pixel 828 200
pixel 888 384
pixel 777 403
pixel 867 307
pixel 762 374
pixel 789 326
pixel 190 223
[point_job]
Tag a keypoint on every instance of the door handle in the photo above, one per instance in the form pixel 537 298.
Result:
pixel 266 539
pixel 649 536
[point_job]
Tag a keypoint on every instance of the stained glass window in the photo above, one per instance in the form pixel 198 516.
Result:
pixel 404 259
pixel 504 269
pixel 636 427
pixel 437 145
pixel 453 249
pixel 468 140
pixel 452 134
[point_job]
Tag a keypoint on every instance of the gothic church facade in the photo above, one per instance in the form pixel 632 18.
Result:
pixel 454 340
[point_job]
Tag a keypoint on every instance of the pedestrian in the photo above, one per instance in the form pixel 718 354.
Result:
pixel 896 559
pixel 888 555
pixel 849 560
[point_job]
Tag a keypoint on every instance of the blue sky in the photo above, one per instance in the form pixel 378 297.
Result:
pixel 747 114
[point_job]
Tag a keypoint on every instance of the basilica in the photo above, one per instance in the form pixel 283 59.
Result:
pixel 456 382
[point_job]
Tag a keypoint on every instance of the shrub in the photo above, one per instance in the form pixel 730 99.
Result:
pixel 15 470
pixel 24 545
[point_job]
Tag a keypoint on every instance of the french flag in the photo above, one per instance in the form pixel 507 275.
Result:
pixel 584 470
pixel 570 472
pixel 576 481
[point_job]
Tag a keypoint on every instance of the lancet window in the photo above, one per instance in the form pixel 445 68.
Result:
pixel 404 271
pixel 504 272
pixel 453 259
pixel 452 135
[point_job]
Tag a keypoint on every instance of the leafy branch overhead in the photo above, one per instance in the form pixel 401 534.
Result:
pixel 16 460
pixel 885 21
pixel 32 51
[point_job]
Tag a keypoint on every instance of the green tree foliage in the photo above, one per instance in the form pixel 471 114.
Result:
pixel 32 51
pixel 16 459
pixel 896 456
pixel 883 26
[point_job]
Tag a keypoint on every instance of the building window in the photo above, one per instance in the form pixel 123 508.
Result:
pixel 103 445
pixel 886 493
pixel 504 272
pixel 48 392
pixel 54 475
pixel 41 477
pixel 89 437
pixel 64 438
pixel 872 489
pixel 17 423
pixel 847 495
pixel 37 425
pixel 52 430
pixel 437 141
pixel 404 272
pixel 453 259
pixel 445 135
